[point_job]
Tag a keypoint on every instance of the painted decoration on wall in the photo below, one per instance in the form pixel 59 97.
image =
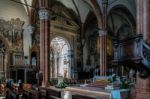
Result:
pixel 12 30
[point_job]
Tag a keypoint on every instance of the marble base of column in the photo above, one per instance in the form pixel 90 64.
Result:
pixel 142 88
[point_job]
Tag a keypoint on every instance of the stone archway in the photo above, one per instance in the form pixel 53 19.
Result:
pixel 61 57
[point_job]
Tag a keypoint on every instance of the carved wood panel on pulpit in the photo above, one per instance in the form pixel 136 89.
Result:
pixel 128 49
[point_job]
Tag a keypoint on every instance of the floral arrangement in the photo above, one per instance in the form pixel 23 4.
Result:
pixel 113 78
pixel 126 84
pixel 53 82
pixel 116 82
pixel 61 85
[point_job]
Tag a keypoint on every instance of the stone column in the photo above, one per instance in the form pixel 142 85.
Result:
pixel 44 43
pixel 103 52
pixel 143 27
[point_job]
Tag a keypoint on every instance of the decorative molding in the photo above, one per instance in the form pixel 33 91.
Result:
pixel 34 48
pixel 102 32
pixel 44 14
pixel 63 28
pixel 30 29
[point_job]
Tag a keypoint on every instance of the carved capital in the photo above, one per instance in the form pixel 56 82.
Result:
pixel 30 29
pixel 102 32
pixel 44 14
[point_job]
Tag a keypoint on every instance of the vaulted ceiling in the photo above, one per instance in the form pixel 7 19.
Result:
pixel 78 8
pixel 82 8
pixel 120 12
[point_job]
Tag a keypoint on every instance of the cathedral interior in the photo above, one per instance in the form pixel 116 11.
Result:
pixel 74 49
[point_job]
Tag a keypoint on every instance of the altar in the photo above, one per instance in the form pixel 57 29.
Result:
pixel 96 93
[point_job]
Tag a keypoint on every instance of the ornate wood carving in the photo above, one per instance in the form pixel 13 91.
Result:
pixel 133 51
pixel 129 49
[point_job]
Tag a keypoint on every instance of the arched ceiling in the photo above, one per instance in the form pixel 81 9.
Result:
pixel 129 4
pixel 121 22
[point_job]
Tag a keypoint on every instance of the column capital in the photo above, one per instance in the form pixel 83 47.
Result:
pixel 102 32
pixel 44 14
pixel 30 29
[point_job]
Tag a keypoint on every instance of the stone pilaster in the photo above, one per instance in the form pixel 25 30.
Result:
pixel 103 52
pixel 44 43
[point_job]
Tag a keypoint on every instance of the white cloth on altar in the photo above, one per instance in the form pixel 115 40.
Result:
pixel 115 94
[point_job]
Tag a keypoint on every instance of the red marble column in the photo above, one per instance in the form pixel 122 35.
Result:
pixel 143 19
pixel 142 88
pixel 44 40
pixel 103 52
pixel 143 27
pixel 103 40
pixel 146 20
